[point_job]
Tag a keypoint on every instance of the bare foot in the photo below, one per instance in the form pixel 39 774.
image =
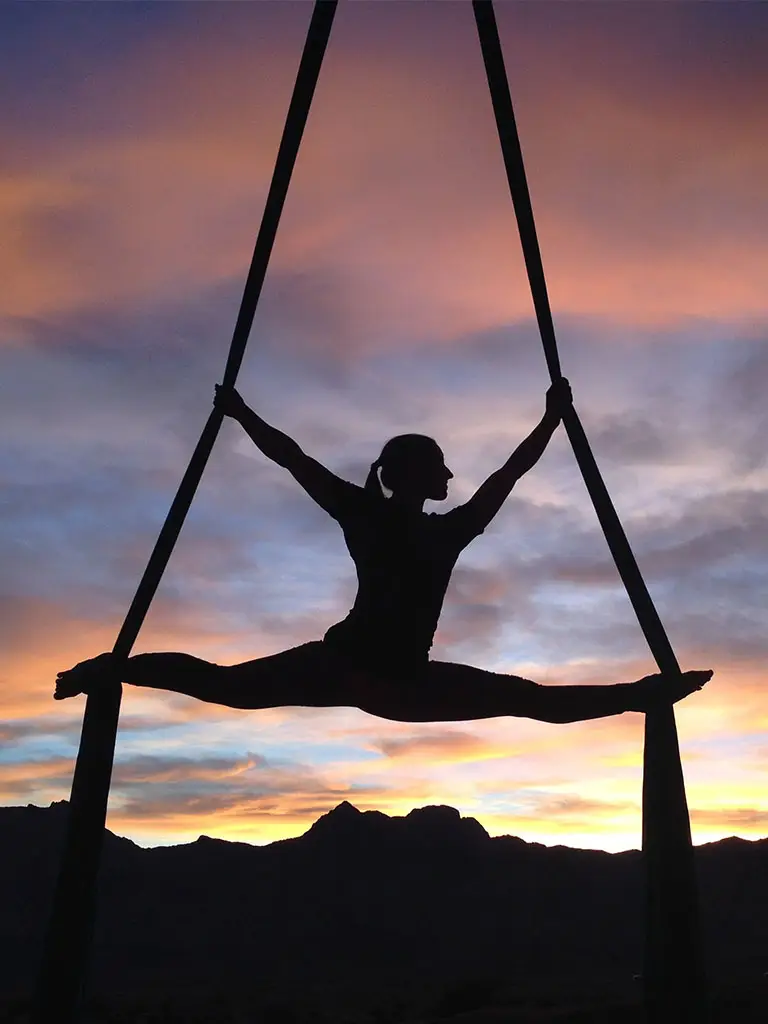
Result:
pixel 83 677
pixel 657 690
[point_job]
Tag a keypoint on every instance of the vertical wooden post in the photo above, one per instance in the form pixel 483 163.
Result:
pixel 68 939
pixel 674 976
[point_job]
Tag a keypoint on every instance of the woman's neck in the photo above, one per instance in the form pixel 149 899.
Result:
pixel 407 503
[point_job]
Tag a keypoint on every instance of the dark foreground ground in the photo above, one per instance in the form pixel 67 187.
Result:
pixel 368 919
pixel 472 1001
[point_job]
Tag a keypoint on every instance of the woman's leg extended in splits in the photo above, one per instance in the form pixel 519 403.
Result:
pixel 460 693
pixel 313 676
pixel 306 676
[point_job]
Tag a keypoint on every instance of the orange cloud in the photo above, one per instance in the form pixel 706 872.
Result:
pixel 454 747
pixel 36 781
pixel 578 811
pixel 752 820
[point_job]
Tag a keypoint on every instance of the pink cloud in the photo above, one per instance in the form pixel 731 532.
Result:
pixel 649 198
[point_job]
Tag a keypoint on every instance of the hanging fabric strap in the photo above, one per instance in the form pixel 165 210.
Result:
pixel 673 971
pixel 69 934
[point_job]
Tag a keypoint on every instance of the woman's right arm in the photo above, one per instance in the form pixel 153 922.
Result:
pixel 323 486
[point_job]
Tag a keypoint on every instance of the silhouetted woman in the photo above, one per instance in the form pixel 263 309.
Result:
pixel 377 658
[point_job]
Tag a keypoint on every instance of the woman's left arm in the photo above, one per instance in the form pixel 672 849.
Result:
pixel 491 495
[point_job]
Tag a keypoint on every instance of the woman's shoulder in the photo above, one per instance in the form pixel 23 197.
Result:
pixel 459 522
pixel 356 501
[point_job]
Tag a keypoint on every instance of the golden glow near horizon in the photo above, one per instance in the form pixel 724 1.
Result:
pixel 130 192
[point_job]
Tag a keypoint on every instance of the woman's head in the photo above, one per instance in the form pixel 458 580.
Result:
pixel 411 466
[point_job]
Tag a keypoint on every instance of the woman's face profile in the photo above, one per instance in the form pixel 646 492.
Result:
pixel 437 475
pixel 420 471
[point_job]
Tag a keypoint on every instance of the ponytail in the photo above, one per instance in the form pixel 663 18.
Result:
pixel 372 482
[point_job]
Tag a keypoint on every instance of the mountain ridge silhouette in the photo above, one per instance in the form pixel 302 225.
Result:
pixel 429 896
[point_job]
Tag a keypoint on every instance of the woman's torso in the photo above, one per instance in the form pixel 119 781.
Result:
pixel 404 560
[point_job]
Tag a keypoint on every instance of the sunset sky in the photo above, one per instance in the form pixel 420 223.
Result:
pixel 138 141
